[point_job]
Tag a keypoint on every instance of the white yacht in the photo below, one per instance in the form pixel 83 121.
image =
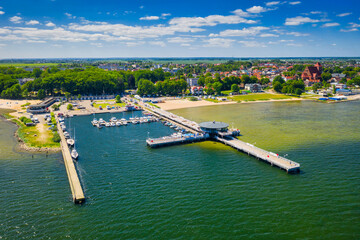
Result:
pixel 74 154
pixel 118 124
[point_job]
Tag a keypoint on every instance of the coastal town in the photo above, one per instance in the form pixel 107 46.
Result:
pixel 166 86
pixel 179 120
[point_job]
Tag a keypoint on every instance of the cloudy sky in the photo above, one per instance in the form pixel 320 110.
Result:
pixel 168 28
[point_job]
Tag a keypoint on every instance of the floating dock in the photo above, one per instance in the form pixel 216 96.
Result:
pixel 75 186
pixel 174 140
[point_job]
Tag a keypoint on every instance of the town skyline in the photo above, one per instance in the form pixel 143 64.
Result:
pixel 83 29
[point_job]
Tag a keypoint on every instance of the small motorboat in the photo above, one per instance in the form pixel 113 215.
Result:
pixel 74 154
pixel 70 142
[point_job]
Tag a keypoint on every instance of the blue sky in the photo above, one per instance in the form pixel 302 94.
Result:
pixel 167 28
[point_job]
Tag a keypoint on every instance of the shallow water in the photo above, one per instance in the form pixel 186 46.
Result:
pixel 199 191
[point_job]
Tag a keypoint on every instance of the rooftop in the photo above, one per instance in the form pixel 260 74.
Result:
pixel 214 125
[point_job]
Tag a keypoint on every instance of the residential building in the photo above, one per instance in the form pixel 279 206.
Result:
pixel 313 73
pixel 22 81
pixel 253 87
pixel 197 90
pixel 192 82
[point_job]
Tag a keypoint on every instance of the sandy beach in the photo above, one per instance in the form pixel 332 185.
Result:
pixel 183 103
pixel 16 104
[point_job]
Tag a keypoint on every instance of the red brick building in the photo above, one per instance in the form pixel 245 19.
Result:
pixel 313 74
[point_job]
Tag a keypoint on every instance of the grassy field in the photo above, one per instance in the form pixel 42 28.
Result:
pixel 212 100
pixel 105 103
pixel 258 97
pixel 33 138
pixel 28 64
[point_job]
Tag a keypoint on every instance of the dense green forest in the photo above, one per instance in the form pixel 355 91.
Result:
pixel 91 80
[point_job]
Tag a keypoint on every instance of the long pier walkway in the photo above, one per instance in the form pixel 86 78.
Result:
pixel 188 125
pixel 272 158
pixel 75 186
pixel 223 137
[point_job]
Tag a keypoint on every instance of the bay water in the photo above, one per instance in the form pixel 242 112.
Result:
pixel 197 191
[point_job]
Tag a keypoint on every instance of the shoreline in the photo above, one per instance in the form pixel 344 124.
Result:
pixel 21 146
pixel 181 104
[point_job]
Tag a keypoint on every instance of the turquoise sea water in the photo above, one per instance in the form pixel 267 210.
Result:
pixel 198 191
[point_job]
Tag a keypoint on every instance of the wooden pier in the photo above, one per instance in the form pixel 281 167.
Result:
pixel 75 186
pixel 272 158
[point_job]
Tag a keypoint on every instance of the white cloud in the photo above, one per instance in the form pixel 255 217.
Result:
pixel 294 44
pixel 134 44
pixel 344 14
pixel 70 16
pixel 330 24
pixel 56 34
pixel 280 41
pixel 2 12
pixel 252 31
pixel 294 3
pixel 97 44
pixel 316 12
pixel 2 45
pixel 241 13
pixel 211 20
pixel 252 44
pixel 219 42
pixel 269 35
pixel 185 45
pixel 334 44
pixel 272 3
pixel 257 9
pixel 165 14
pixel 157 43
pixel 180 40
pixel 50 24
pixel 5 31
pixel 32 22
pixel 297 34
pixel 139 32
pixel 15 19
pixel 141 7
pixel 150 18
pixel 349 30
pixel 35 41
pixel 299 21
pixel 354 25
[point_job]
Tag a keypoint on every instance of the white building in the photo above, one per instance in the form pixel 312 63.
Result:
pixel 192 82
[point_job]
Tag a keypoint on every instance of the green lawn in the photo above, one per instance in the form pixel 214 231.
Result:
pixel 226 93
pixel 258 97
pixel 105 103
pixel 212 100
